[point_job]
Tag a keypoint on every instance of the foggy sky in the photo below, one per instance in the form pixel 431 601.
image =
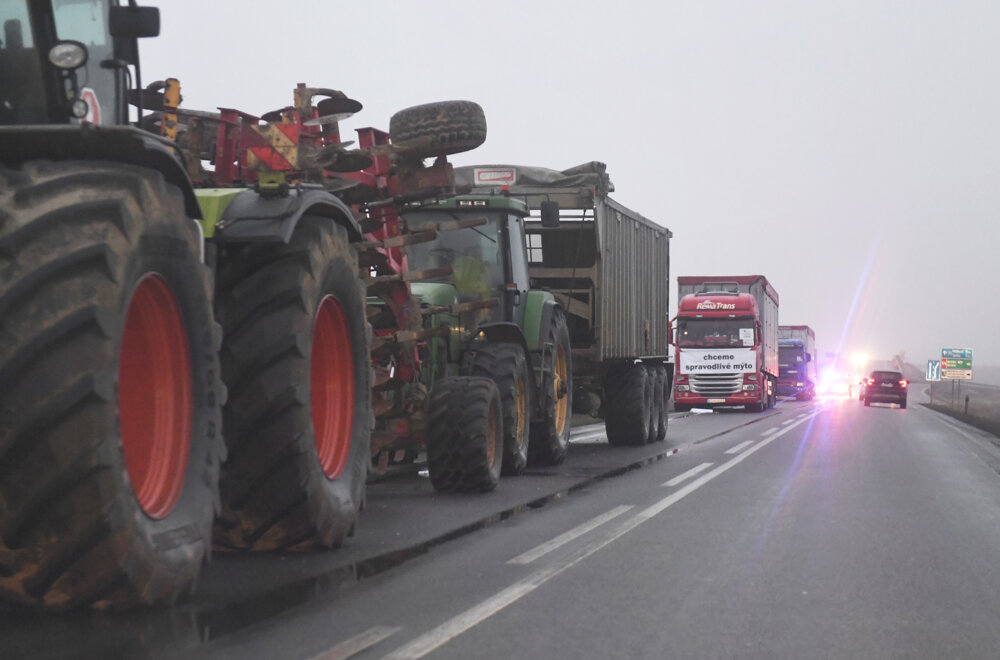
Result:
pixel 849 151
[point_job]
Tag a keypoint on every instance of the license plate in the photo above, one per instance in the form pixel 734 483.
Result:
pixel 886 384
pixel 716 400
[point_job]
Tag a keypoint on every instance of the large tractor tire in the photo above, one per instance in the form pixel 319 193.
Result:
pixel 661 393
pixel 627 412
pixel 438 129
pixel 465 435
pixel 298 421
pixel 550 432
pixel 506 366
pixel 110 397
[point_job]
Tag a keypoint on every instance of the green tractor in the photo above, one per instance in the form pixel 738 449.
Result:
pixel 116 304
pixel 492 343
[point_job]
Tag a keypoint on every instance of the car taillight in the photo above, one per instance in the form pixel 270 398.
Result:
pixel 870 381
pixel 902 383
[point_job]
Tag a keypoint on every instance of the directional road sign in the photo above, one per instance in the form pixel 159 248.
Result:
pixel 956 363
pixel 960 353
pixel 933 370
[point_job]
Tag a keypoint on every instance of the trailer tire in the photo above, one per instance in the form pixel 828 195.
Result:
pixel 110 397
pixel 627 419
pixel 296 358
pixel 660 398
pixel 550 433
pixel 438 129
pixel 505 364
pixel 465 435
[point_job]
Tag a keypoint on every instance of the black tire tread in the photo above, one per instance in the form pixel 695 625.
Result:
pixel 457 458
pixel 547 446
pixel 66 232
pixel 438 129
pixel 273 493
pixel 505 364
pixel 626 419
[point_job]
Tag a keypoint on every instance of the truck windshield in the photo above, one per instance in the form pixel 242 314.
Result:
pixel 789 356
pixel 715 333
pixel 473 253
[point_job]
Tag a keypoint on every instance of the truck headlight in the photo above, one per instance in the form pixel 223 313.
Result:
pixel 683 388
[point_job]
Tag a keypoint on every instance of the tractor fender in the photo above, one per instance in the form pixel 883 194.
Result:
pixel 252 217
pixel 538 309
pixel 118 144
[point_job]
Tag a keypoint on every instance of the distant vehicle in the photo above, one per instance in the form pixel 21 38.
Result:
pixel 861 389
pixel 886 387
pixel 797 361
pixel 726 343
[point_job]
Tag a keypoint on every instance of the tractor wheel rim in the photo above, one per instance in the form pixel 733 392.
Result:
pixel 155 398
pixel 560 392
pixel 332 387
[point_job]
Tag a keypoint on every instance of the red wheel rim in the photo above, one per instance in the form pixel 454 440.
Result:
pixel 332 380
pixel 154 396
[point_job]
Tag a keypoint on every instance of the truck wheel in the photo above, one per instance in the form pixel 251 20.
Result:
pixel 110 397
pixel 465 435
pixel 661 402
pixel 296 359
pixel 438 129
pixel 627 419
pixel 652 406
pixel 550 433
pixel 506 366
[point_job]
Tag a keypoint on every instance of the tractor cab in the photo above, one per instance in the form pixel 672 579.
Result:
pixel 66 61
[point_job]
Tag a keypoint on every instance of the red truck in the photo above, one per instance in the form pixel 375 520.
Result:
pixel 726 342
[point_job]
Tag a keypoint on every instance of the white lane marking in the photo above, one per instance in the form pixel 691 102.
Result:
pixel 563 539
pixel 740 447
pixel 787 422
pixel 358 643
pixel 437 637
pixel 770 431
pixel 687 475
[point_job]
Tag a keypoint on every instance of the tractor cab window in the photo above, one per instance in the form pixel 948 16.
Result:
pixel 473 253
pixel 22 95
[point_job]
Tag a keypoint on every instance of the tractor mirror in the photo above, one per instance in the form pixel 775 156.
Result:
pixel 134 22
pixel 550 214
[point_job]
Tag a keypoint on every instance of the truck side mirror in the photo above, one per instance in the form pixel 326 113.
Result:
pixel 134 22
pixel 550 214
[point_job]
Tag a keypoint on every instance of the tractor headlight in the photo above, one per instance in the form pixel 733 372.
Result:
pixel 68 55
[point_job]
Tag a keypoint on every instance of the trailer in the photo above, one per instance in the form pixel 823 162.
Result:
pixel 726 340
pixel 609 268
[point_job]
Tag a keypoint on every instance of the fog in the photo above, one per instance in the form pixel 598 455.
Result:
pixel 849 151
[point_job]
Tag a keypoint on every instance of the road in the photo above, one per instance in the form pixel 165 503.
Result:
pixel 816 530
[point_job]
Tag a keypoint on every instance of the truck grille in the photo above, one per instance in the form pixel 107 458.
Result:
pixel 716 384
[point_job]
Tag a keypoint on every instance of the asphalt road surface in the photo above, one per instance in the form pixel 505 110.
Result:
pixel 817 530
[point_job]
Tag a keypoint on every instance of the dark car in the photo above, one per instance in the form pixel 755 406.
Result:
pixel 885 387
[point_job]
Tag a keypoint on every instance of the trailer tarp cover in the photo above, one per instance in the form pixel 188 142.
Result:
pixel 591 175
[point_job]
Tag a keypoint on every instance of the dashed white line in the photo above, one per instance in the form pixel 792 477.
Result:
pixel 358 643
pixel 441 635
pixel 770 431
pixel 740 447
pixel 563 539
pixel 788 421
pixel 687 475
